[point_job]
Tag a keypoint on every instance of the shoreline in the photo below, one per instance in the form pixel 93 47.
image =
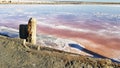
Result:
pixel 71 46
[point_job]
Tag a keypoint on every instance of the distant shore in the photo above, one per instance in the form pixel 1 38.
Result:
pixel 64 2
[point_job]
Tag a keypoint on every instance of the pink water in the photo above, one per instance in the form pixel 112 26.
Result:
pixel 95 27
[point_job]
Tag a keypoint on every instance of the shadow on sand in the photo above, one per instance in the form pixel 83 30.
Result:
pixel 90 52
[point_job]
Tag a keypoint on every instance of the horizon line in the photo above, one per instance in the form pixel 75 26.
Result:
pixel 62 2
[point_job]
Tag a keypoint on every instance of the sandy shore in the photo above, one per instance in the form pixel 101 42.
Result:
pixel 13 54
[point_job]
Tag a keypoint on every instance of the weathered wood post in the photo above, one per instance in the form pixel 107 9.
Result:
pixel 31 31
pixel 28 31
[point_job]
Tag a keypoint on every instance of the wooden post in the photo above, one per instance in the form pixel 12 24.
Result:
pixel 31 31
